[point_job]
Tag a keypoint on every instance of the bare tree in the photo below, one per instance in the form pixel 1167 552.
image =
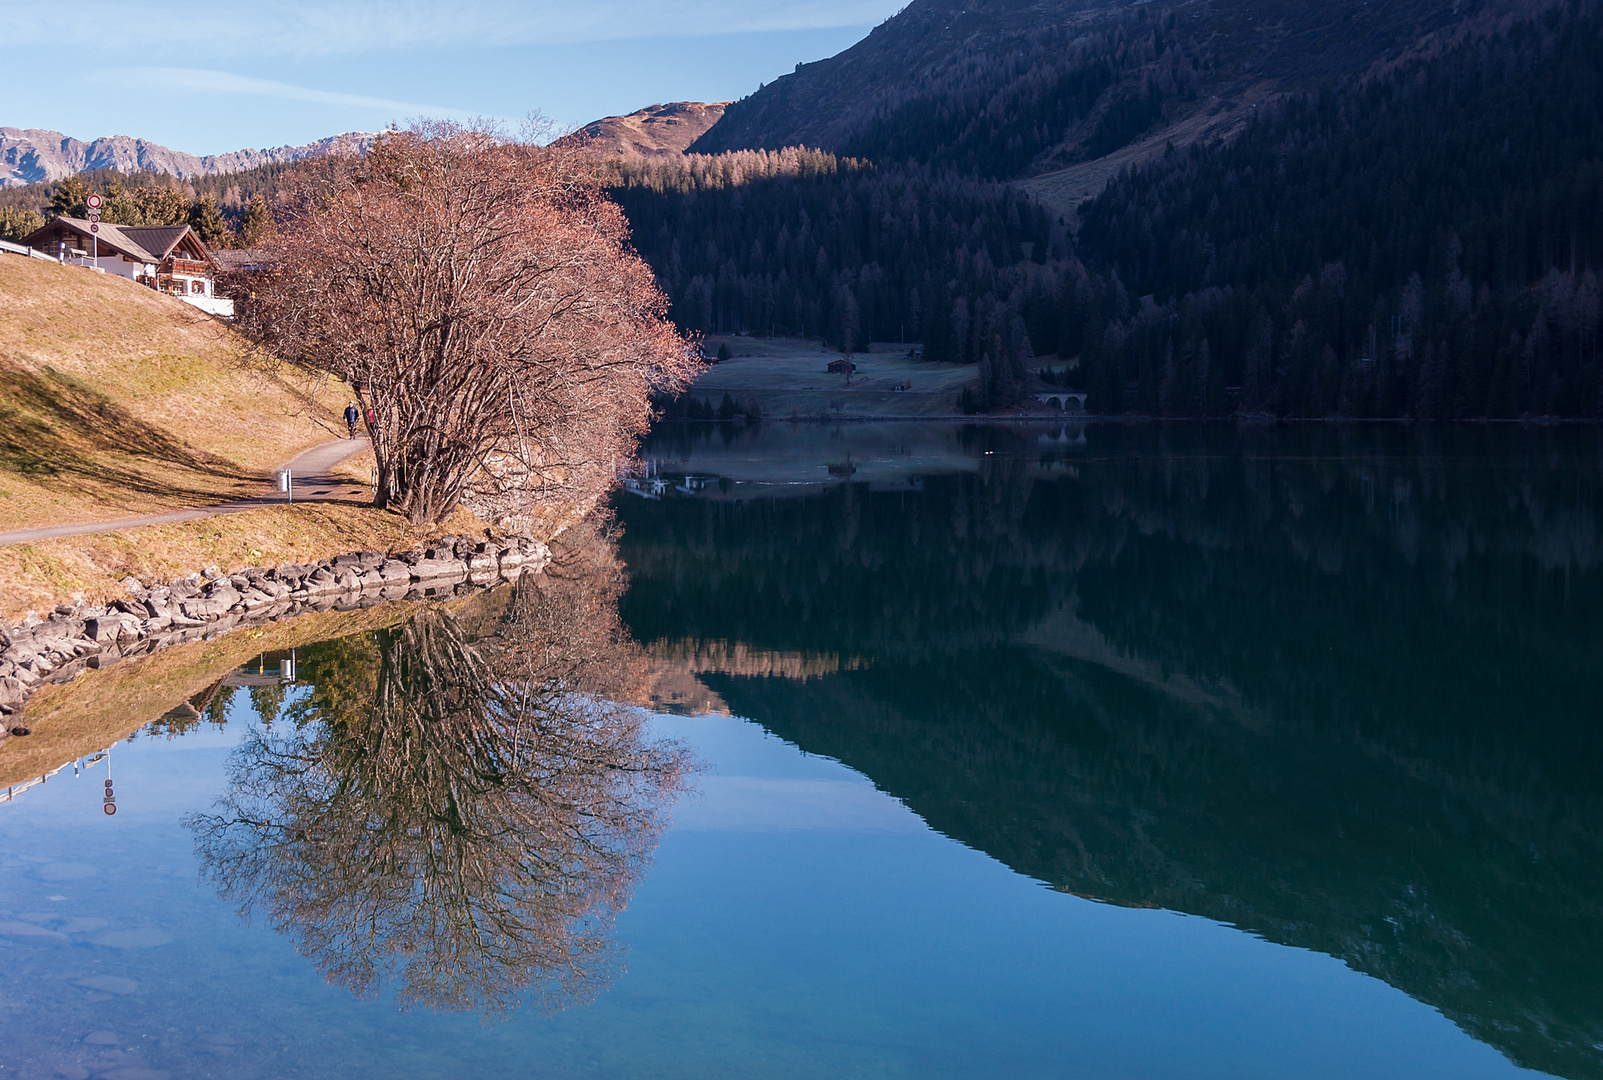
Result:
pixel 481 298
pixel 460 814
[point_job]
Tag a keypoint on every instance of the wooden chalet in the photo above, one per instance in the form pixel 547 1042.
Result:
pixel 168 258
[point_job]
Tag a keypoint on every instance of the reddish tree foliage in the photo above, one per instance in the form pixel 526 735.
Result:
pixel 481 297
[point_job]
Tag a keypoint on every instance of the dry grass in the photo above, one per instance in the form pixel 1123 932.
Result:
pixel 37 576
pixel 788 377
pixel 115 400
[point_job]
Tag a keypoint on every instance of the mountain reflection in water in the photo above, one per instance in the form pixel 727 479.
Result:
pixel 1336 685
pixel 455 806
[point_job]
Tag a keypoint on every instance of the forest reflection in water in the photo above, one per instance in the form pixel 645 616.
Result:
pixel 454 809
pixel 1336 685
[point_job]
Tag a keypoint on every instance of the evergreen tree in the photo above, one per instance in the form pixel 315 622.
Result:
pixel 16 223
pixel 256 226
pixel 207 221
pixel 67 198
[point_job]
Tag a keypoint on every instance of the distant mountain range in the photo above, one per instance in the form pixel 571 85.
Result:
pixel 34 155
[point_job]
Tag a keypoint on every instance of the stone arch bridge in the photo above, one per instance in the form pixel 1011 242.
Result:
pixel 1063 399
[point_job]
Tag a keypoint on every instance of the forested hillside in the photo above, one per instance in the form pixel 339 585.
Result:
pixel 1423 243
pixel 802 243
pixel 1420 240
pixel 219 205
pixel 991 86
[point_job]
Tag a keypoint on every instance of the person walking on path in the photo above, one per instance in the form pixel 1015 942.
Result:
pixel 352 416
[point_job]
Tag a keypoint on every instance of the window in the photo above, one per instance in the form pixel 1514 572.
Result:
pixel 198 287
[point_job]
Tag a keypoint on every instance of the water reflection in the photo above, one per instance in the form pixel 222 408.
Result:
pixel 455 808
pixel 1337 686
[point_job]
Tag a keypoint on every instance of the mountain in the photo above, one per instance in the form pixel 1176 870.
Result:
pixel 655 131
pixel 1400 223
pixel 1003 88
pixel 33 155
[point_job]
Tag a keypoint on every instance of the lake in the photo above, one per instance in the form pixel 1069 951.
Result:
pixel 923 750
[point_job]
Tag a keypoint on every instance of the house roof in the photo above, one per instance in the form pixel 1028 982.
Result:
pixel 147 243
pixel 239 258
pixel 159 240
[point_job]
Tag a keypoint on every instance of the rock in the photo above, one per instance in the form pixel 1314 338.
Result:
pixel 110 984
pixel 433 570
pixel 29 930
pixel 72 1072
pixel 254 599
pixel 101 1038
pixel 134 939
pixel 359 561
pixel 393 572
pixel 198 611
pixel 110 629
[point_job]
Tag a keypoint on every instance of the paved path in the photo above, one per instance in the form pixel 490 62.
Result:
pixel 312 480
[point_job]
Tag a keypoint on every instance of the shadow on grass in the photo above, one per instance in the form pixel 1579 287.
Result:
pixel 55 427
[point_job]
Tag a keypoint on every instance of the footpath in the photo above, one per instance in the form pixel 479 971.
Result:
pixel 312 471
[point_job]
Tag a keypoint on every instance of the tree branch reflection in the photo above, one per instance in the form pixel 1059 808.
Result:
pixel 458 815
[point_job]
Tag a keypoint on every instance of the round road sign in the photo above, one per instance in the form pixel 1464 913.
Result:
pixel 94 202
pixel 94 227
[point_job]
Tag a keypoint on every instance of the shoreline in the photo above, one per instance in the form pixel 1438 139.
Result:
pixel 74 638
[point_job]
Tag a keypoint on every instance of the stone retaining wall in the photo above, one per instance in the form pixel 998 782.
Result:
pixel 204 605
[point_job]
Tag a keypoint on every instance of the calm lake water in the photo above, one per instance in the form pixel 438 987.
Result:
pixel 968 751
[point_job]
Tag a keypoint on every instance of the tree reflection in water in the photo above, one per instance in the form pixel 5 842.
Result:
pixel 458 815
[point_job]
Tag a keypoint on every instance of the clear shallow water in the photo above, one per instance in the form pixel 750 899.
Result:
pixel 796 922
pixel 1318 762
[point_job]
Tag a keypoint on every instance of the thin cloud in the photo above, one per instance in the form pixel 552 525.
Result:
pixel 224 82
pixel 310 28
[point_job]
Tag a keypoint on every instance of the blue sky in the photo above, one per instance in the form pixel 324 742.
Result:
pixel 217 77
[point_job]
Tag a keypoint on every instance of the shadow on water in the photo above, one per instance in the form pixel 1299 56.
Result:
pixel 453 809
pixel 1337 686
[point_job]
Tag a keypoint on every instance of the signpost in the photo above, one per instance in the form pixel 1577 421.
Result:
pixel 94 203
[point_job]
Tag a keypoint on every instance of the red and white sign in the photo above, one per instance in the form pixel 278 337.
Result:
pixel 93 202
pixel 94 226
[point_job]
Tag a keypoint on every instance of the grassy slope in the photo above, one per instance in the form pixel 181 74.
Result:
pixel 115 400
